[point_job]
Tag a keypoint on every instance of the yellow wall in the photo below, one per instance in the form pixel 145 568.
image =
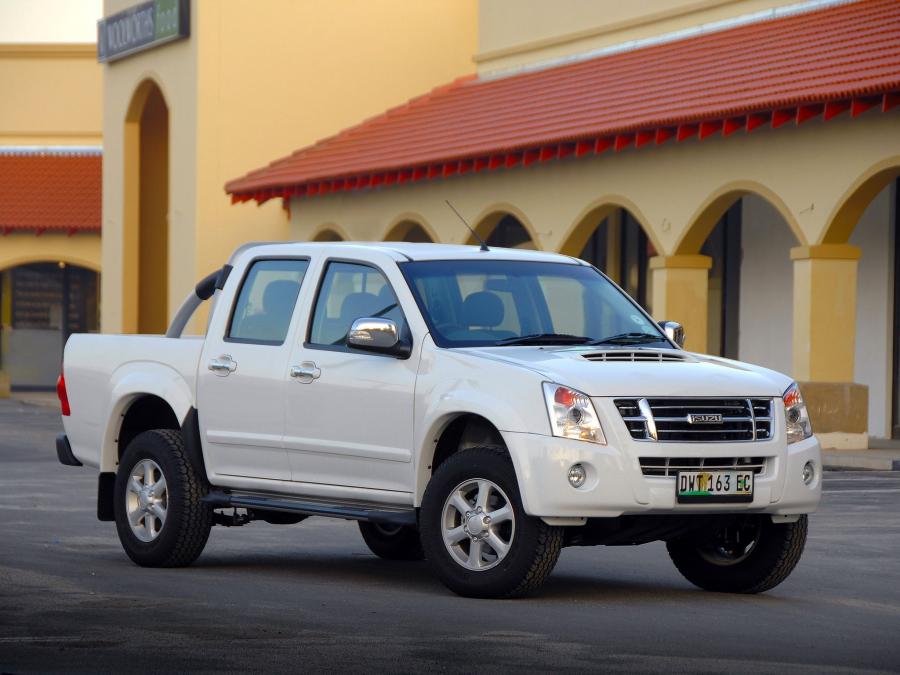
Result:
pixel 51 95
pixel 518 32
pixel 255 82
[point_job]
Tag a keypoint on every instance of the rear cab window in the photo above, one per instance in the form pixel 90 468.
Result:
pixel 265 304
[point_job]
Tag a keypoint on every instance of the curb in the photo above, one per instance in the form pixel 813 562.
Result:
pixel 858 460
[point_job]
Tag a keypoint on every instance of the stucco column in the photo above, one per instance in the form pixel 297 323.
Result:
pixel 824 312
pixel 680 293
pixel 825 343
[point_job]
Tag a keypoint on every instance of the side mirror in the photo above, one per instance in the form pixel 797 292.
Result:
pixel 377 335
pixel 674 331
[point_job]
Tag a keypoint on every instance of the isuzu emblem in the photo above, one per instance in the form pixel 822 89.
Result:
pixel 705 418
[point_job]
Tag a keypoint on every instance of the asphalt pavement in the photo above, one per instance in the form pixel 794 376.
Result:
pixel 310 597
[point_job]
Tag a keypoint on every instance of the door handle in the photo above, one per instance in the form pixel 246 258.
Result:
pixel 306 372
pixel 223 365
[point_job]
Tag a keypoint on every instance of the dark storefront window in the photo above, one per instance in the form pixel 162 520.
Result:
pixel 40 291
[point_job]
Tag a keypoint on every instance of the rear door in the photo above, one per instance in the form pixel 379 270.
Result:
pixel 243 372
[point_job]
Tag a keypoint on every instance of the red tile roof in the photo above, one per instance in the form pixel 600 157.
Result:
pixel 50 191
pixel 844 58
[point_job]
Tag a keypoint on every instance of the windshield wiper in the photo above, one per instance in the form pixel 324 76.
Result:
pixel 545 339
pixel 629 339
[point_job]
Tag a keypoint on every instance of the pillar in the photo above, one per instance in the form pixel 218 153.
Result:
pixel 680 293
pixel 824 342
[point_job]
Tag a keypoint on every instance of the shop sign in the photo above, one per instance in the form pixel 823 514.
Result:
pixel 144 26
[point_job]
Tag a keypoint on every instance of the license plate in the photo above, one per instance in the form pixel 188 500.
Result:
pixel 705 487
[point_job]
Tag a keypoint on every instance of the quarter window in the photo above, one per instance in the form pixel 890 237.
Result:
pixel 265 304
pixel 351 291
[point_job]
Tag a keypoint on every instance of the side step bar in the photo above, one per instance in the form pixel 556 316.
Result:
pixel 375 513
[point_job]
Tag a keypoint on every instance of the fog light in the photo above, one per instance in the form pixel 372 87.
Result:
pixel 809 472
pixel 577 475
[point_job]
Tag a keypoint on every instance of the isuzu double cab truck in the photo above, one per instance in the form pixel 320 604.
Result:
pixel 479 408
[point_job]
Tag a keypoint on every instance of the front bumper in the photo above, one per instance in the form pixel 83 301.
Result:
pixel 616 486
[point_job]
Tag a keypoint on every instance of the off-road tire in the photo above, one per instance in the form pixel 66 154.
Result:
pixel 535 546
pixel 392 543
pixel 188 519
pixel 772 559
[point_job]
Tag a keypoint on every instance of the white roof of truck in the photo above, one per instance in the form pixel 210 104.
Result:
pixel 403 251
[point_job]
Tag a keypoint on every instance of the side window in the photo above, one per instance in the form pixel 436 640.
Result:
pixel 351 291
pixel 265 304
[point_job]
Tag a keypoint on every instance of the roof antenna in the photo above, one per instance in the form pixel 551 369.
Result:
pixel 474 233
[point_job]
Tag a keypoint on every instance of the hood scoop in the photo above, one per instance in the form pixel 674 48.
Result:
pixel 637 356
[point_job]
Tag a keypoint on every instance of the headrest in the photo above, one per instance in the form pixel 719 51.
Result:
pixel 359 306
pixel 482 309
pixel 386 296
pixel 280 296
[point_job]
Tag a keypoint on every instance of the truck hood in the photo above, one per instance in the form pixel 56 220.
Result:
pixel 606 372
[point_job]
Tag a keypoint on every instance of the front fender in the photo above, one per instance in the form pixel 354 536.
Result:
pixel 453 383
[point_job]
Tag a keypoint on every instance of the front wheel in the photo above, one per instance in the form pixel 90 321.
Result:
pixel 160 516
pixel 750 555
pixel 475 531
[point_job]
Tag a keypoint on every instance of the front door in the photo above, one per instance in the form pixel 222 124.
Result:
pixel 243 374
pixel 349 413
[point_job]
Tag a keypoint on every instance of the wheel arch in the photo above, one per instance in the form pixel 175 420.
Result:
pixel 449 434
pixel 140 400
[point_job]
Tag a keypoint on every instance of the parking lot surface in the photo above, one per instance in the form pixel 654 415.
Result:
pixel 311 596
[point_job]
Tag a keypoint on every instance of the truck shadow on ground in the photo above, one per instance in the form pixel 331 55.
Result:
pixel 370 572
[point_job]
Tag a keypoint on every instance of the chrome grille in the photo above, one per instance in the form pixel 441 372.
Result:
pixel 693 420
pixel 641 356
pixel 670 466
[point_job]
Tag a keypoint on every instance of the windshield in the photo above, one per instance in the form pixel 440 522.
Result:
pixel 469 303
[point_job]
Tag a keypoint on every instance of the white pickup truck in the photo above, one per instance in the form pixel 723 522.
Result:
pixel 479 408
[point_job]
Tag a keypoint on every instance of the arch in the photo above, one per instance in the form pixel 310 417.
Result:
pixel 146 205
pixel 714 207
pixel 24 259
pixel 410 227
pixel 487 222
pixel 596 212
pixel 330 232
pixel 853 203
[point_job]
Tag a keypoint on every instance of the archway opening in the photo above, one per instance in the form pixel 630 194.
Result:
pixel 868 218
pixel 616 243
pixel 748 238
pixel 327 235
pixel 409 231
pixel 147 208
pixel 503 230
pixel 41 305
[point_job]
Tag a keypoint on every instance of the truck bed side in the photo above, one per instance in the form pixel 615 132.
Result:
pixel 105 374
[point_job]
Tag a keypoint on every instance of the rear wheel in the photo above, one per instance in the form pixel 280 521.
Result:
pixel 475 532
pixel 392 542
pixel 160 517
pixel 750 555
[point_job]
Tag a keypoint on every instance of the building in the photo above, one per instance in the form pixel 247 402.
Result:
pixel 198 92
pixel 732 163
pixel 50 181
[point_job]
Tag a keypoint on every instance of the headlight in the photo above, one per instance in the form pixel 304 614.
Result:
pixel 572 415
pixel 798 426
